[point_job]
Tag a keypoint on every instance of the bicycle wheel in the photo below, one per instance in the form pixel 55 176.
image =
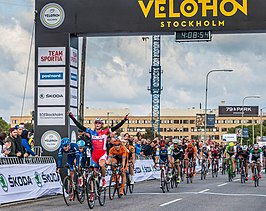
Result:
pixel 68 190
pixel 90 193
pixel 112 186
pixel 213 170
pixel 81 192
pixel 167 184
pixel 202 172
pixel 255 176
pixel 162 181
pixel 101 194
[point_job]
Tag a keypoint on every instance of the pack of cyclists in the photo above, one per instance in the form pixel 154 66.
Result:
pixel 94 149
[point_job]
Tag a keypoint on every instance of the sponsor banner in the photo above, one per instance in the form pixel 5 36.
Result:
pixel 73 97
pixel 52 15
pixel 51 96
pixel 51 140
pixel 73 57
pixel 245 132
pixel 237 111
pixel 51 56
pixel 51 116
pixel 200 120
pixel 75 112
pixel 51 76
pixel 210 120
pixel 73 77
pixel 154 16
pixel 28 181
pixel 230 137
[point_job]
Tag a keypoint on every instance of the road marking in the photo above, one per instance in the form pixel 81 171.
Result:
pixel 235 194
pixel 222 184
pixel 204 191
pixel 179 193
pixel 236 180
pixel 170 202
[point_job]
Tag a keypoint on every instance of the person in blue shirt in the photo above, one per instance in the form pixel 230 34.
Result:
pixel 73 156
pixel 85 153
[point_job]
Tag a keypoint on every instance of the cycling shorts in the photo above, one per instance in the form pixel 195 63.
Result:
pixel 97 157
pixel 70 162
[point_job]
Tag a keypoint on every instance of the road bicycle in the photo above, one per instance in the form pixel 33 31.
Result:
pixel 214 167
pixel 164 179
pixel 256 174
pixel 243 170
pixel 204 169
pixel 175 173
pixel 190 171
pixel 129 186
pixel 115 181
pixel 230 170
pixel 93 189
pixel 71 189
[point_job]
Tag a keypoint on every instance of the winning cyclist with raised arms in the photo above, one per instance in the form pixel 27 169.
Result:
pixel 99 142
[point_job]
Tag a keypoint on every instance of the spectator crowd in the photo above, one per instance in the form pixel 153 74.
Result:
pixel 19 142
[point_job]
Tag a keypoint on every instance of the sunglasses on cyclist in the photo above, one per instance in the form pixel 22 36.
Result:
pixel 97 122
pixel 116 145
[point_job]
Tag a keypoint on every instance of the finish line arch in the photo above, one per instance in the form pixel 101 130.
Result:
pixel 60 23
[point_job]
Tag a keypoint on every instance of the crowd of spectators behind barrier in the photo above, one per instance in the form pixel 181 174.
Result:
pixel 19 142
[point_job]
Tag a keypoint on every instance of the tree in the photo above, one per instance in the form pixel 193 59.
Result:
pixel 3 125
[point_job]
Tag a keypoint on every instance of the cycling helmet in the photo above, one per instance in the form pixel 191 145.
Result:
pixel 231 144
pixel 176 141
pixel 256 146
pixel 98 120
pixel 81 143
pixel 204 146
pixel 245 147
pixel 65 142
pixel 117 141
pixel 162 143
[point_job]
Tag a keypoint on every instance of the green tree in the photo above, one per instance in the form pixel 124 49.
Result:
pixel 3 125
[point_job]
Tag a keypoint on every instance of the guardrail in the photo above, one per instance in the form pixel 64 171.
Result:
pixel 29 160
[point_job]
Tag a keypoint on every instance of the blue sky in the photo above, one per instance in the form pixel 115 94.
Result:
pixel 117 70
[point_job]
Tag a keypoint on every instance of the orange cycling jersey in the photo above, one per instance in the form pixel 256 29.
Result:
pixel 190 150
pixel 121 153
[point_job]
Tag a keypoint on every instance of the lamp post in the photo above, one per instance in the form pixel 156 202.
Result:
pixel 242 114
pixel 261 122
pixel 206 97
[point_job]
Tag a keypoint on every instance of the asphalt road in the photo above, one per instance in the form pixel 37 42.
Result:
pixel 213 194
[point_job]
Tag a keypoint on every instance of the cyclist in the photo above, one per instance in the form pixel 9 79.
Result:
pixel 205 154
pixel 255 156
pixel 131 159
pixel 118 155
pixel 190 153
pixel 264 156
pixel 99 142
pixel 230 153
pixel 215 153
pixel 73 156
pixel 243 154
pixel 85 153
pixel 177 154
pixel 163 155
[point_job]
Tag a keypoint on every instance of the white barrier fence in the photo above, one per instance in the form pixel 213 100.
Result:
pixel 28 179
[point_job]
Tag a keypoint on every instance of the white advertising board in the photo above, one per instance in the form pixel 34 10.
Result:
pixel 73 57
pixel 51 56
pixel 51 76
pixel 73 97
pixel 75 112
pixel 73 77
pixel 230 137
pixel 51 96
pixel 51 116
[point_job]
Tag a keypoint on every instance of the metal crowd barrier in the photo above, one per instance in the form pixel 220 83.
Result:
pixel 29 160
pixel 143 157
pixel 38 150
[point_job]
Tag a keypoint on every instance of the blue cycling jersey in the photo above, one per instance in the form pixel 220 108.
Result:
pixel 72 154
pixel 84 156
pixel 163 154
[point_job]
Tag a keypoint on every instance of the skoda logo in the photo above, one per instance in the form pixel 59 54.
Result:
pixel 3 183
pixel 38 179
pixel 42 96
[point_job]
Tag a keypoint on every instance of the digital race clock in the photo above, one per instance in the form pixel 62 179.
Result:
pixel 193 36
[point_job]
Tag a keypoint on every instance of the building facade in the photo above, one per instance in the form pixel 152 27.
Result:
pixel 175 123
